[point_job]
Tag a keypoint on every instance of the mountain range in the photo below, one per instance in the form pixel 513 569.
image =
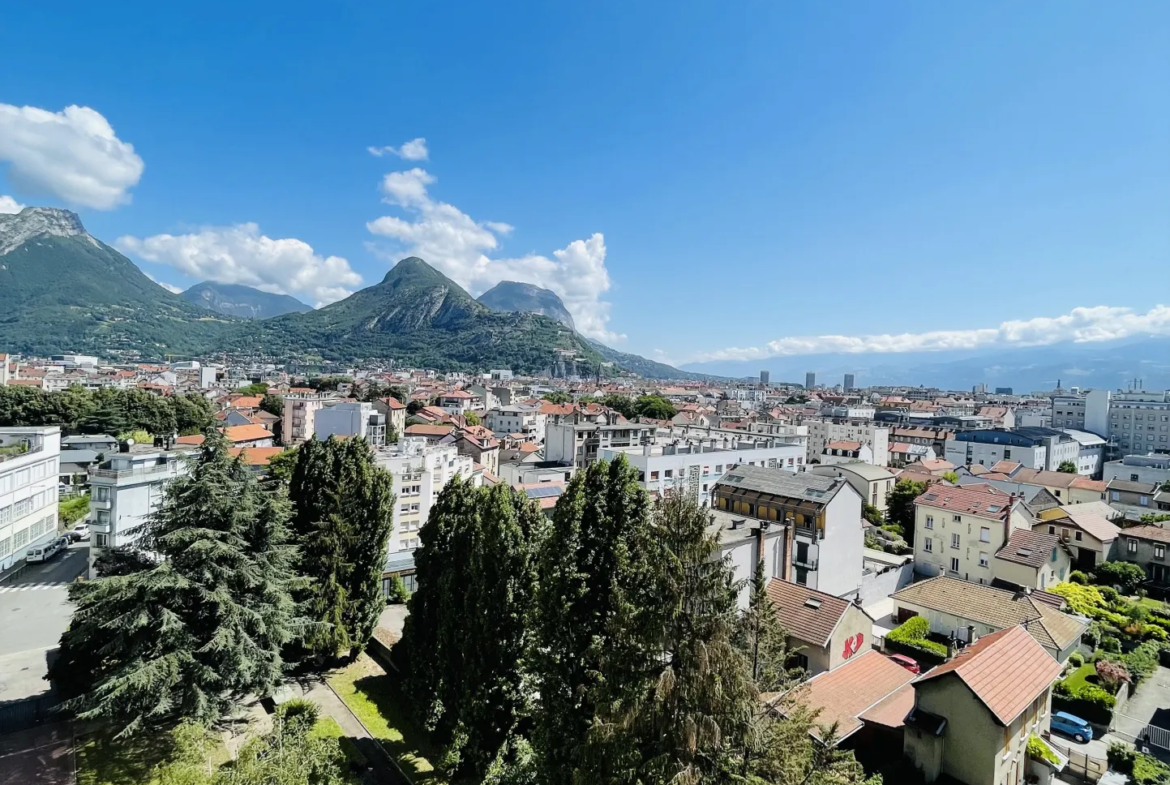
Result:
pixel 63 290
pixel 525 297
pixel 243 301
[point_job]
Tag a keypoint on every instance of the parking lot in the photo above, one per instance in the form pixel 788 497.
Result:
pixel 34 611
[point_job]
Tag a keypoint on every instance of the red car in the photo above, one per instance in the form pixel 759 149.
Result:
pixel 906 662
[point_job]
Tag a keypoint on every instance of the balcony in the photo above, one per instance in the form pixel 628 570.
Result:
pixel 808 563
pixel 161 469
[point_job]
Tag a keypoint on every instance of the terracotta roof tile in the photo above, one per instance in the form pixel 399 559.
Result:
pixel 892 710
pixel 847 692
pixel 1092 522
pixel 256 456
pixel 807 614
pixel 1006 670
pixel 1148 532
pixel 852 446
pixel 983 500
pixel 247 433
pixel 1085 484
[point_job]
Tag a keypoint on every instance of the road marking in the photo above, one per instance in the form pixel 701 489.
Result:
pixel 32 587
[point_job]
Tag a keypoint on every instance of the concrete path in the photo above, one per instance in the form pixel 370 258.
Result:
pixel 39 756
pixel 383 770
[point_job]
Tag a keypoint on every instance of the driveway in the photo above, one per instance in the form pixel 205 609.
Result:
pixel 1150 705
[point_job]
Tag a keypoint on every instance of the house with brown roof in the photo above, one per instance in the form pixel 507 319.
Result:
pixel 1146 546
pixel 828 631
pixel 957 531
pixel 395 412
pixel 1031 558
pixel 1132 499
pixel 964 611
pixel 1089 535
pixel 973 715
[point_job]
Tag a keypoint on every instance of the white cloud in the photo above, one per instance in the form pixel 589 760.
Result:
pixel 1080 325
pixel 9 205
pixel 459 246
pixel 73 155
pixel 170 287
pixel 414 150
pixel 240 254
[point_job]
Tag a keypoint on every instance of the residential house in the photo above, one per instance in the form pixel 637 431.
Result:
pixel 845 452
pixel 825 513
pixel 460 402
pixel 256 458
pixel 127 488
pixel 433 434
pixel 922 436
pixel 874 483
pixel 479 444
pixel 1031 558
pixel 937 467
pixel 29 466
pixel 974 714
pixel 522 419
pixel 902 454
pixel 1145 545
pixel 957 531
pixel 1091 456
pixel 1090 537
pixel 746 543
pixel 964 611
pixel 1132 499
pixel 824 630
pixel 394 411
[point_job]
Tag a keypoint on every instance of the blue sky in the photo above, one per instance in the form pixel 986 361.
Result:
pixel 718 181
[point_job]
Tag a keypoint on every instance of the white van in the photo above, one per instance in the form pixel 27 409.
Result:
pixel 47 551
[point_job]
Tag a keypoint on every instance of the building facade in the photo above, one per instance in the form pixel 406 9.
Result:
pixel 125 489
pixel 1035 448
pixel 824 430
pixel 1139 423
pixel 351 419
pixel 299 422
pixel 29 465
pixel 957 531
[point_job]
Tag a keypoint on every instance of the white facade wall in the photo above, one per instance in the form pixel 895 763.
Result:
pixel 348 419
pixel 977 453
pixel 822 431
pixel 126 492
pixel 1150 469
pixel 420 474
pixel 840 556
pixel 514 419
pixel 28 491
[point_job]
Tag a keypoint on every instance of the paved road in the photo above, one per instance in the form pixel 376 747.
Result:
pixel 34 611
pixel 1151 700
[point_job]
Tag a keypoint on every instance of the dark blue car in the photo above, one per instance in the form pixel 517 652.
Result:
pixel 1071 725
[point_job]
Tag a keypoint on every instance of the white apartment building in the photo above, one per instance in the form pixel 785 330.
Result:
pixel 29 460
pixel 420 474
pixel 525 420
pixel 1091 455
pixel 125 489
pixel 1139 422
pixel 1088 412
pixel 351 419
pixel 824 430
pixel 579 444
pixel 692 465
pixel 300 415
pixel 1043 449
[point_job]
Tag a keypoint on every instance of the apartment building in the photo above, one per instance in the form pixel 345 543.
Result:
pixel 1153 469
pixel 1132 499
pixel 873 483
pixel 578 444
pixel 691 465
pixel 460 402
pixel 1139 423
pixel 1034 448
pixel 394 411
pixel 351 419
pixel 420 472
pixel 528 421
pixel 825 515
pixel 299 422
pixel 958 531
pixel 1145 546
pixel 125 489
pixel 29 459
pixel 823 431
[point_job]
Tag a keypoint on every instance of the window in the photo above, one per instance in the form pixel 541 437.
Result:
pixel 669 473
pixel 955 541
pixel 1132 545
pixel 1144 501
pixel 653 475
pixel 957 518
pixel 955 565
pixel 984 534
pixel 982 559
pixel 102 540
pixel 1054 554
pixel 930 521
pixel 1078 536
pixel 928 545
pixel 1052 530
pixel 719 468
pixel 1115 495
pixel 1064 533
pixel 1159 551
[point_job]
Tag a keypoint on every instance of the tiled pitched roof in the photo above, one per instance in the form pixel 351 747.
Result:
pixel 1085 484
pixel 1006 670
pixel 891 711
pixel 1149 532
pixel 1049 479
pixel 428 430
pixel 983 500
pixel 850 446
pixel 1132 487
pixel 1092 522
pixel 256 456
pixel 993 607
pixel 937 464
pixel 1005 467
pixel 853 689
pixel 247 433
pixel 245 402
pixel 807 614
pixel 1029 547
pixel 393 403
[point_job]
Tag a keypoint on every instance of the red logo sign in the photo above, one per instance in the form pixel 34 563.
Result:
pixel 853 645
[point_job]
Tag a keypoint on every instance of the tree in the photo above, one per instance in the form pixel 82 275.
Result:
pixel 951 477
pixel 900 506
pixel 202 627
pixel 273 404
pixel 414 406
pixel 290 754
pixel 557 396
pixel 1127 577
pixel 281 465
pixel 343 515
pixel 471 418
pixel 655 407
pixel 872 514
pixel 600 543
pixel 1068 467
pixel 622 404
pixel 257 388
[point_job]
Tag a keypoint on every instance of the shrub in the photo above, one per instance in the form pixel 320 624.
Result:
pixel 1039 750
pixel 1076 659
pixel 1142 662
pixel 1111 644
pixel 1086 600
pixel 396 595
pixel 1111 674
pixel 1076 576
pixel 1124 575
pixel 1109 593
pixel 1121 757
pixel 912 634
pixel 1148 770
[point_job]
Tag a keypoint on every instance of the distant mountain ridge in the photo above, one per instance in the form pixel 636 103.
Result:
pixel 243 301
pixel 516 296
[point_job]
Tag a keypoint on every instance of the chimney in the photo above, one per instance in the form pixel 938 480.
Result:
pixel 971 634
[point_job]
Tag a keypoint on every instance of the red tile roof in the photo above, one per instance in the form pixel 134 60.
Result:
pixel 850 446
pixel 853 689
pixel 247 433
pixel 1085 484
pixel 808 615
pixel 1147 532
pixel 393 403
pixel 245 402
pixel 256 456
pixel 1005 467
pixel 892 710
pixel 983 500
pixel 428 430
pixel 1006 670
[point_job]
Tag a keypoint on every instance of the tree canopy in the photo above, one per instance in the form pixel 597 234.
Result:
pixel 108 410
pixel 655 407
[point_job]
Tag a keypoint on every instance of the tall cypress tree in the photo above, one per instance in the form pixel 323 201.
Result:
pixel 188 637
pixel 600 543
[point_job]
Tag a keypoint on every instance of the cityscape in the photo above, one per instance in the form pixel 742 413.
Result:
pixel 791 436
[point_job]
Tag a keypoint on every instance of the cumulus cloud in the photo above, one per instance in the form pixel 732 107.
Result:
pixel 73 155
pixel 170 287
pixel 1080 325
pixel 414 150
pixel 9 205
pixel 241 254
pixel 463 248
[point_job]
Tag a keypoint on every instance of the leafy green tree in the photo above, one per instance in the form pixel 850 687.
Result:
pixel 623 404
pixel 900 506
pixel 471 418
pixel 557 396
pixel 1127 577
pixel 291 754
pixel 273 404
pixel 1068 467
pixel 201 628
pixel 872 514
pixel 257 388
pixel 600 544
pixel 343 515
pixel 655 407
pixel 951 477
pixel 139 436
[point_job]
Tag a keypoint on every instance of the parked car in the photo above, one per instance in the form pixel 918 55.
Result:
pixel 906 662
pixel 40 553
pixel 1072 725
pixel 78 532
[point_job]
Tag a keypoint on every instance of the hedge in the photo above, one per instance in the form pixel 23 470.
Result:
pixel 1086 701
pixel 910 638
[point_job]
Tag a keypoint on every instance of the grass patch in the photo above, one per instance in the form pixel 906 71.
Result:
pixel 327 728
pixel 102 760
pixel 1151 603
pixel 373 695
pixel 1086 674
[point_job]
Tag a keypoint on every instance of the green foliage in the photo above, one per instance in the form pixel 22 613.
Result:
pixel 1082 699
pixel 1076 659
pixel 913 633
pixel 557 396
pixel 951 477
pixel 1037 748
pixel 1142 662
pixel 1076 576
pixel 121 561
pixel 874 515
pixel 139 436
pixel 273 404
pixel 397 594
pixel 1159 517
pixel 191 635
pixel 1142 769
pixel 72 510
pixel 471 418
pixel 1084 600
pixel 281 465
pixel 257 388
pixel 1127 577
pixel 622 404
pixel 1067 467
pixel 108 410
pixel 343 515
pixel 900 505
pixel 655 407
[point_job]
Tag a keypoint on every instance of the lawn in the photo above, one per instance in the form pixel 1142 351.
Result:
pixel 105 761
pixel 1086 674
pixel 373 695
pixel 327 728
pixel 1151 603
